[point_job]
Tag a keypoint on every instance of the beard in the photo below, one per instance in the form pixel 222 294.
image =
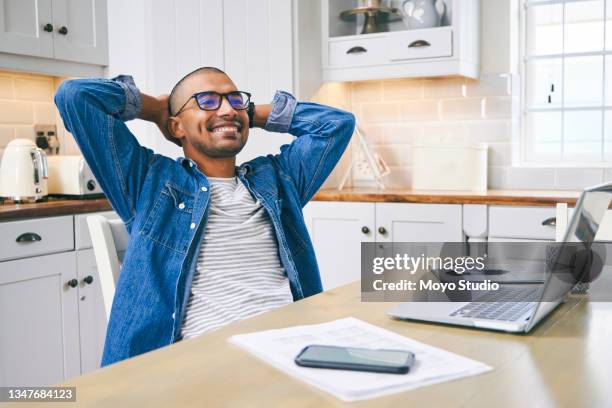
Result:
pixel 210 150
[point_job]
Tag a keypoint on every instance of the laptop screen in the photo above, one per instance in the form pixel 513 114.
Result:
pixel 574 257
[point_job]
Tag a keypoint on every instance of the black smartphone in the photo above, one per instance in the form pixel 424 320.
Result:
pixel 358 359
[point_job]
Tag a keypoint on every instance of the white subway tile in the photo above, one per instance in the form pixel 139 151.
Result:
pixel 498 107
pixel 487 85
pixel 488 131
pixel 395 155
pixel 461 109
pixel 374 134
pixel 16 112
pixel 7 133
pixel 402 133
pixel 44 113
pixel 421 110
pixel 496 177
pixel 402 89
pixel 500 154
pixel 24 132
pixel 443 88
pixel 34 89
pixel 399 177
pixel 530 178
pixel 382 112
pixel 366 91
pixel 453 131
pixel 578 178
pixel 6 88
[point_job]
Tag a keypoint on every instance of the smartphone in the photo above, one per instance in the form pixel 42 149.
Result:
pixel 358 359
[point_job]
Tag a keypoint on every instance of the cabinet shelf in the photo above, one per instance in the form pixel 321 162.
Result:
pixel 451 49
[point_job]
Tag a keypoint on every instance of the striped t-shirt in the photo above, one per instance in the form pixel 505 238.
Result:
pixel 239 273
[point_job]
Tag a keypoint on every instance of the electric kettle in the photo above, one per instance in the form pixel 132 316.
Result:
pixel 23 172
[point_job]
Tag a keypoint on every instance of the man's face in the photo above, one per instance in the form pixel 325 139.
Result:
pixel 219 133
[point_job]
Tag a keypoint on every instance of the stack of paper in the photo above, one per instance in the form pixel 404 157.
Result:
pixel 280 347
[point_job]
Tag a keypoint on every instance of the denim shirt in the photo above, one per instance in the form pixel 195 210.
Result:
pixel 164 202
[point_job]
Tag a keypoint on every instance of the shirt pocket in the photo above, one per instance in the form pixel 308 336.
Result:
pixel 169 221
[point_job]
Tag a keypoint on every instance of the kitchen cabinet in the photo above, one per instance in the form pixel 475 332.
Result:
pixel 92 317
pixel 67 37
pixel 337 230
pixel 507 223
pixel 22 27
pixel 39 344
pixel 51 307
pixel 449 50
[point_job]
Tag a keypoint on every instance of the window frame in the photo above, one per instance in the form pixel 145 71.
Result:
pixel 520 138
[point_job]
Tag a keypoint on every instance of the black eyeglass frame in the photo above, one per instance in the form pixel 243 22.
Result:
pixel 221 96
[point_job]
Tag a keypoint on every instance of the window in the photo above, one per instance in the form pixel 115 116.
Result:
pixel 566 70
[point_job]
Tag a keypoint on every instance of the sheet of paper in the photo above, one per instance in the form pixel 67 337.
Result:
pixel 280 347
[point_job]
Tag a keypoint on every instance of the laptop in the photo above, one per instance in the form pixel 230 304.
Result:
pixel 518 308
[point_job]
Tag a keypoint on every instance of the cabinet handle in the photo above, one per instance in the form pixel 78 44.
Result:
pixel 357 50
pixel 73 283
pixel 88 279
pixel 48 27
pixel 29 237
pixel 382 230
pixel 550 222
pixel 365 230
pixel 419 44
pixel 63 30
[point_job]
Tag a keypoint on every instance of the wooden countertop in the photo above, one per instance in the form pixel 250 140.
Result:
pixel 491 197
pixel 11 212
pixel 562 362
pixel 52 207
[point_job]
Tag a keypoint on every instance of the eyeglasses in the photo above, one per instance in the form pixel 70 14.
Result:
pixel 211 100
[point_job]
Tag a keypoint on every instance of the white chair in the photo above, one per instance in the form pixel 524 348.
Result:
pixel 109 239
pixel 564 215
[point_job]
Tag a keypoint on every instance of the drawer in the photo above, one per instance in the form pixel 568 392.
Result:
pixel 81 230
pixel 522 222
pixel 41 236
pixel 369 51
pixel 421 44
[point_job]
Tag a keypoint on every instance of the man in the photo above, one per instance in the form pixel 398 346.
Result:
pixel 210 242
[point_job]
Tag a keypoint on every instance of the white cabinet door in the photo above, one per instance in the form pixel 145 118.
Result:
pixel 258 47
pixel 39 344
pixel 337 230
pixel 403 222
pixel 22 27
pixel 92 317
pixel 522 223
pixel 81 31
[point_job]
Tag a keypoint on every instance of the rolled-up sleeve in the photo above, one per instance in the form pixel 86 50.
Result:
pixel 283 108
pixel 132 98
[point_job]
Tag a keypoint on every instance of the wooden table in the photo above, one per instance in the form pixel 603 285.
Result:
pixel 565 361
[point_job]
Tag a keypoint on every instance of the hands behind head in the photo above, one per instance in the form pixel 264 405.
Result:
pixel 163 122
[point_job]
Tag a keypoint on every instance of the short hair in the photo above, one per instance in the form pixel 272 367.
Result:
pixel 171 102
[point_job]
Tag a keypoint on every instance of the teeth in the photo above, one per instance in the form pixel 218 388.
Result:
pixel 225 129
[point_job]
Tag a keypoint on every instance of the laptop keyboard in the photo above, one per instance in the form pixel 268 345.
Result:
pixel 507 304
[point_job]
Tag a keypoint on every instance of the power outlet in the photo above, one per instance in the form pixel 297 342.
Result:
pixel 45 129
pixel 362 170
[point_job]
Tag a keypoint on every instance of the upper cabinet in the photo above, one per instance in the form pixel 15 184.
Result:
pixel 400 39
pixel 67 37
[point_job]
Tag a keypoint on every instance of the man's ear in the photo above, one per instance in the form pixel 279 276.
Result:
pixel 176 128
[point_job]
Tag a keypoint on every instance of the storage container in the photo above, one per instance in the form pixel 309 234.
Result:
pixel 444 166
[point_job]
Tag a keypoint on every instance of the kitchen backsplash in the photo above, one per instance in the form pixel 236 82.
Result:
pixel 396 113
pixel 26 100
pixel 393 113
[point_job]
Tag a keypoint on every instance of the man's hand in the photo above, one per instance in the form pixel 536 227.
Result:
pixel 260 116
pixel 155 109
